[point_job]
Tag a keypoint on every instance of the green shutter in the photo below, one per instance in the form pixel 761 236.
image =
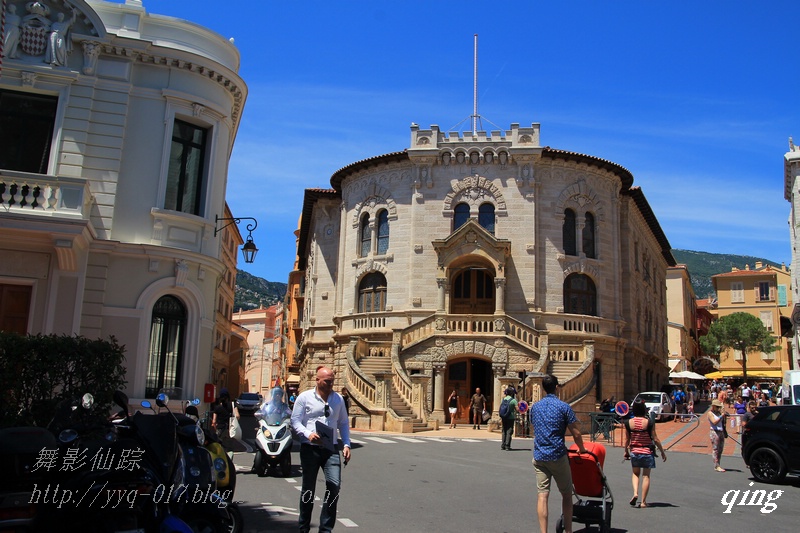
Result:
pixel 782 301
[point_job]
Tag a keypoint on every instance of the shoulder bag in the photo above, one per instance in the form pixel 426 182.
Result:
pixel 234 429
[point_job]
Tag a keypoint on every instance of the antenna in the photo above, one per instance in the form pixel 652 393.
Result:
pixel 475 87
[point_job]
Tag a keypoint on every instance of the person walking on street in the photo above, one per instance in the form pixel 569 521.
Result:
pixel 551 418
pixel 477 404
pixel 315 410
pixel 510 418
pixel 452 407
pixel 221 420
pixel 718 434
pixel 640 441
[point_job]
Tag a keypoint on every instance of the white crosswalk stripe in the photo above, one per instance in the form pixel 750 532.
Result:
pixel 381 440
pixel 408 439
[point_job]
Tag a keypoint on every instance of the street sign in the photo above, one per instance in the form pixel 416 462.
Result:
pixel 522 406
pixel 621 409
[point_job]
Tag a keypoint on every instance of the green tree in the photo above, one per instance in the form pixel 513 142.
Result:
pixel 39 371
pixel 738 331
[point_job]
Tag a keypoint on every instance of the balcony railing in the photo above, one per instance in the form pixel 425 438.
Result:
pixel 46 195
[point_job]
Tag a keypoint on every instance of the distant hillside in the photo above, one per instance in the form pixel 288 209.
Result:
pixel 703 265
pixel 253 292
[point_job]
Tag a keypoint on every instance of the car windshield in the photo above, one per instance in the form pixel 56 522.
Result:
pixel 250 396
pixel 651 397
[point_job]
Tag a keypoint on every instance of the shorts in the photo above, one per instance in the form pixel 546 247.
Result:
pixel 558 469
pixel 643 460
pixel 453 410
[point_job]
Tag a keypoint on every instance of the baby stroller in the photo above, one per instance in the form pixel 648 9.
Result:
pixel 594 499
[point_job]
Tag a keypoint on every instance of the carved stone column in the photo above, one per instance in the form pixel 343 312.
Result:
pixel 441 284
pixel 437 413
pixel 498 369
pixel 383 390
pixel 500 296
pixel 420 384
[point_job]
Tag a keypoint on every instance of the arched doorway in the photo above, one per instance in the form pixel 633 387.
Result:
pixel 465 375
pixel 472 292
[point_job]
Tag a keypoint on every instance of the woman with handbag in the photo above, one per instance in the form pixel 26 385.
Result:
pixel 225 415
pixel 640 441
pixel 718 434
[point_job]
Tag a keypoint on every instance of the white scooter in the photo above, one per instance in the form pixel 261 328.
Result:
pixel 273 439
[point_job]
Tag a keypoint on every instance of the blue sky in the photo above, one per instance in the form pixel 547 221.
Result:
pixel 696 99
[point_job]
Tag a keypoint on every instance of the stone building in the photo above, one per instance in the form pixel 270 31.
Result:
pixel 115 137
pixel 481 260
pixel 791 192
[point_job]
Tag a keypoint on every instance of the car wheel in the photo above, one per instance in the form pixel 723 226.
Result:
pixel 767 466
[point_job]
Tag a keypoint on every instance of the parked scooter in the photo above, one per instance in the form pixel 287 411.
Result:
pixel 273 437
pixel 202 504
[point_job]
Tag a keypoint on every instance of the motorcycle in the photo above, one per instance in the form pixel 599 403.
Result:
pixel 273 445
pixel 208 478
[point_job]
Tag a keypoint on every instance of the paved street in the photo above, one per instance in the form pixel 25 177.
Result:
pixel 460 481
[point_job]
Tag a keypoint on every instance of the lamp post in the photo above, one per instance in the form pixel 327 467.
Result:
pixel 249 249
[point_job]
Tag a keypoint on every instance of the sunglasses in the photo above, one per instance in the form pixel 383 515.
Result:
pixel 327 410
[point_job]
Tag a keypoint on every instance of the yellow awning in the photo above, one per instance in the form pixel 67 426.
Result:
pixel 292 379
pixel 750 374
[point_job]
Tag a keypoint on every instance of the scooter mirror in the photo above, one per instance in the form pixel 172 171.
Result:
pixel 196 401
pixel 162 400
pixel 146 404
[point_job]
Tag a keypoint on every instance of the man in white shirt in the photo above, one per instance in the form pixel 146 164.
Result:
pixel 320 404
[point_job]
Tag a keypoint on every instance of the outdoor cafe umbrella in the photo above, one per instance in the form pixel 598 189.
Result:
pixel 686 374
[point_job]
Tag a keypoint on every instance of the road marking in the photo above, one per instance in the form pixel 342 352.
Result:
pixel 346 522
pixel 436 439
pixel 382 441
pixel 474 440
pixel 356 441
pixel 290 480
pixel 408 439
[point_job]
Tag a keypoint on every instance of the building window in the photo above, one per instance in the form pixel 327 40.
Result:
pixel 187 157
pixel 167 329
pixel 382 232
pixel 766 319
pixel 568 233
pixel 589 236
pixel 15 304
pixel 580 295
pixel 372 293
pixel 460 215
pixel 737 292
pixel 763 291
pixel 365 234
pixel 27 122
pixel 486 217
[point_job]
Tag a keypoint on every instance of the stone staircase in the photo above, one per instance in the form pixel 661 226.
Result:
pixel 403 410
pixel 563 370
pixel 374 365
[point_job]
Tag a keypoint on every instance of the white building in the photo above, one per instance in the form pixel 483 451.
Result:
pixel 791 191
pixel 468 260
pixel 116 126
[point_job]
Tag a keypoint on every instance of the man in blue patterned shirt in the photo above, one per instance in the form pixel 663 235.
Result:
pixel 551 418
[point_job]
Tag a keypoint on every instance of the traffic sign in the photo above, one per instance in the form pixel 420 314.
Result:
pixel 621 409
pixel 522 406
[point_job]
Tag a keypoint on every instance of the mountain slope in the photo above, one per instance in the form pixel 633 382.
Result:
pixel 253 292
pixel 703 265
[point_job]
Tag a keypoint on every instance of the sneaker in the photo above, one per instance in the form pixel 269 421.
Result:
pixel 719 468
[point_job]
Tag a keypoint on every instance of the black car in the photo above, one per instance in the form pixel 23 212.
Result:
pixel 771 443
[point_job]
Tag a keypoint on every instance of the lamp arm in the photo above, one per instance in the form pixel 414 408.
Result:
pixel 234 220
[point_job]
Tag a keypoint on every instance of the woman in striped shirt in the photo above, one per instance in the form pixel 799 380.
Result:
pixel 640 442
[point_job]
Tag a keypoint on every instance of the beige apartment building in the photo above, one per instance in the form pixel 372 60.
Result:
pixel 765 292
pixel 682 334
pixel 480 260
pixel 263 366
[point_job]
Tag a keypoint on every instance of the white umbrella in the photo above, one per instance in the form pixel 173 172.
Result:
pixel 688 374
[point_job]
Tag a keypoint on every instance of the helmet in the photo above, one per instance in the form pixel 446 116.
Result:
pixel 224 392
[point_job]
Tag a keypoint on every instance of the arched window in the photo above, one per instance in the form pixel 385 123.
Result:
pixel 167 328
pixel 382 232
pixel 486 216
pixel 372 293
pixel 460 215
pixel 365 235
pixel 568 233
pixel 580 295
pixel 588 236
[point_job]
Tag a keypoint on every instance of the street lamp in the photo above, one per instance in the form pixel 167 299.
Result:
pixel 249 249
